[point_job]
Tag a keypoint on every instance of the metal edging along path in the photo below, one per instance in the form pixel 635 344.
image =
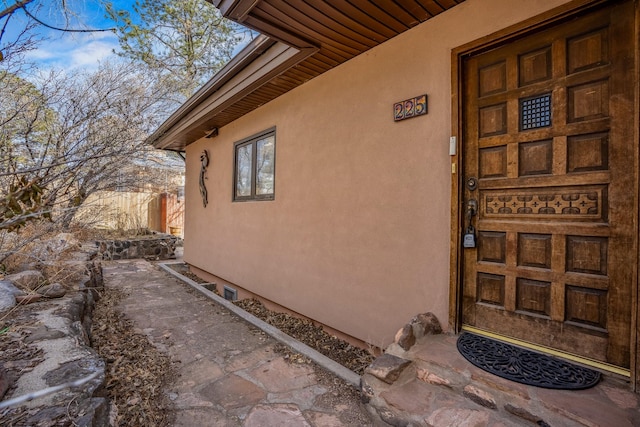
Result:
pixel 322 360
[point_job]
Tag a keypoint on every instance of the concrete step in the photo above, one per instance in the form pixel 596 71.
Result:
pixel 431 384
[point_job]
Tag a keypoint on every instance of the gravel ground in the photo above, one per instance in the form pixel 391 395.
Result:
pixel 312 335
pixel 303 330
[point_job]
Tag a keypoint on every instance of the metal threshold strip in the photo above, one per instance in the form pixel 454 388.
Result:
pixel 551 351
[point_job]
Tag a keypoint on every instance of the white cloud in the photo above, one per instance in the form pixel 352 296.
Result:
pixel 91 53
pixel 72 51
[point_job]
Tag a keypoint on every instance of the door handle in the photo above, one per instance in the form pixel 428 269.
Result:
pixel 472 208
pixel 469 237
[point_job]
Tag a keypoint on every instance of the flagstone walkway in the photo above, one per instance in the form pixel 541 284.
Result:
pixel 230 373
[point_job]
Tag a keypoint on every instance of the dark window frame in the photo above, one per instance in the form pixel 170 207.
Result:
pixel 253 142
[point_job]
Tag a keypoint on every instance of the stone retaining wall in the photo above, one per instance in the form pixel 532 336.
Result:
pixel 55 338
pixel 161 247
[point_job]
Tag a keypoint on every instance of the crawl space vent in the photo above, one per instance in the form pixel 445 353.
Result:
pixel 230 294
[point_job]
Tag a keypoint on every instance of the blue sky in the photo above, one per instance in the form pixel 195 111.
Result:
pixel 71 50
pixel 68 50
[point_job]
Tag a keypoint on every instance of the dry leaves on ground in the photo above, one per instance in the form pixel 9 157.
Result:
pixel 136 371
pixel 303 330
pixel 18 357
pixel 313 335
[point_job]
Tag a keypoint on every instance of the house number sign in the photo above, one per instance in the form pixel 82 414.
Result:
pixel 408 108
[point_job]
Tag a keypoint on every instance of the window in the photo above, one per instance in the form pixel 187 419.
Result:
pixel 254 167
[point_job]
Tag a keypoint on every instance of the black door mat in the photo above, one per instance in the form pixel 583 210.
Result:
pixel 524 366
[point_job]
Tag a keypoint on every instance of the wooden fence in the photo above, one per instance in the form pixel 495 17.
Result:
pixel 121 210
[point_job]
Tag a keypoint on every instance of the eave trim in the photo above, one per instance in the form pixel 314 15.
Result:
pixel 242 60
pixel 226 88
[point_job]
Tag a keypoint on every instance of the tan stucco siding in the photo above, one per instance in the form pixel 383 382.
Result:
pixel 358 234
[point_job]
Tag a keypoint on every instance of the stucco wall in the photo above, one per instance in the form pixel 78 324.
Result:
pixel 358 234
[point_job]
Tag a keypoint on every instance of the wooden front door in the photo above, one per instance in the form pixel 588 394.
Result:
pixel 551 162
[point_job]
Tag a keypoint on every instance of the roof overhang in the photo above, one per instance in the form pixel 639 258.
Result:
pixel 258 63
pixel 299 41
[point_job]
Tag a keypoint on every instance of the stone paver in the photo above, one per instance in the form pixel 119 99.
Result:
pixel 276 415
pixel 447 390
pixel 229 371
pixel 231 375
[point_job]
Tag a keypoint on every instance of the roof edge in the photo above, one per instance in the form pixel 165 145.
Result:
pixel 245 57
pixel 236 10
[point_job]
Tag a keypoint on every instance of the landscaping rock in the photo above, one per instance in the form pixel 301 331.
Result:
pixel 96 413
pixel 524 414
pixel 28 280
pixel 391 418
pixel 387 367
pixel 366 391
pixel 43 333
pixel 28 299
pixel 405 337
pixel 480 397
pixel 69 272
pixel 63 242
pixel 54 290
pixel 425 324
pixel 5 382
pixel 96 280
pixel 49 346
pixel 8 286
pixel 7 300
pixel 44 416
pixel 49 249
pixel 431 378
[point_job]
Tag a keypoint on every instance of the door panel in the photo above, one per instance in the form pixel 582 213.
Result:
pixel 548 133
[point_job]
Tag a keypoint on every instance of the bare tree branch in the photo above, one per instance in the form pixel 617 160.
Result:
pixel 14 7
pixel 74 135
pixel 66 30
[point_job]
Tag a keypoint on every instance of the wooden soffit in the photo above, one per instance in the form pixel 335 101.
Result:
pixel 310 37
